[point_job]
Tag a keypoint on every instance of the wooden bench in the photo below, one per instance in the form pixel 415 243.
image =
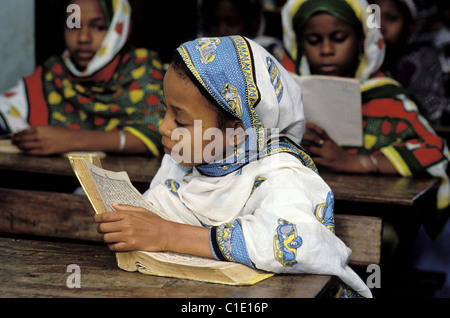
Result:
pixel 47 214
pixel 69 216
pixel 362 234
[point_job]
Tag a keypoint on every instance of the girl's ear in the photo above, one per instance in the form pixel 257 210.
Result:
pixel 360 52
pixel 237 135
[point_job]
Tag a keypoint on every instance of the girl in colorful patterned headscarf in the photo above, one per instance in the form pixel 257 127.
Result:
pixel 337 37
pixel 264 205
pixel 98 96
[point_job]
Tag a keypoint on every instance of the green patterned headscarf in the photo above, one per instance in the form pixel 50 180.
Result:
pixel 296 13
pixel 108 10
pixel 337 8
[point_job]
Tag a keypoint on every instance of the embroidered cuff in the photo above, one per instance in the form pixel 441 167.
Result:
pixel 214 246
pixel 228 244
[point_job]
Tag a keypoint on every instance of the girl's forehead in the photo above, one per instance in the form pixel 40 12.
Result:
pixel 88 6
pixel 325 22
pixel 185 96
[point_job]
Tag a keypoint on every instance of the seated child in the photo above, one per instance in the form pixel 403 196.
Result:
pixel 331 37
pixel 98 96
pixel 243 17
pixel 411 58
pixel 255 197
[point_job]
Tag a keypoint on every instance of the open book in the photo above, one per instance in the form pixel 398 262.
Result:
pixel 6 146
pixel 104 187
pixel 334 103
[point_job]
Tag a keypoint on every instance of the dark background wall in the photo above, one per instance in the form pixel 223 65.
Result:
pixel 158 25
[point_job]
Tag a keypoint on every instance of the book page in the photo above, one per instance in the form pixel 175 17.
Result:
pixel 6 146
pixel 185 259
pixel 104 187
pixel 334 104
pixel 116 187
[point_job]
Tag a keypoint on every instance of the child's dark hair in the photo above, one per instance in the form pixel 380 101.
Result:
pixel 408 18
pixel 223 117
pixel 106 5
pixel 250 10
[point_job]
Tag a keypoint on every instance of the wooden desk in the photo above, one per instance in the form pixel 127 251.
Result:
pixel 403 204
pixel 379 189
pixel 346 187
pixel 37 268
pixel 54 214
pixel 140 169
pixel 22 209
pixel 31 268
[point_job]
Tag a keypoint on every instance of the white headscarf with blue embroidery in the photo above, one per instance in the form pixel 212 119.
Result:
pixel 242 78
pixel 247 209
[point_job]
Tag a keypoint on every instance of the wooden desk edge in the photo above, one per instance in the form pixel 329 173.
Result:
pixel 25 274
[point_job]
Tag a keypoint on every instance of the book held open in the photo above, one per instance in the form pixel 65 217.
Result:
pixel 334 104
pixel 104 187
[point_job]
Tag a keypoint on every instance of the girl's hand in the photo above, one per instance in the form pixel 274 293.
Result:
pixel 133 229
pixel 324 151
pixel 51 140
pixel 44 140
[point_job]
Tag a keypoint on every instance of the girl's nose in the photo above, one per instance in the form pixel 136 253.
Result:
pixel 327 48
pixel 84 35
pixel 166 128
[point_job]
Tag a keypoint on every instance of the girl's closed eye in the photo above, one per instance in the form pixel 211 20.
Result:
pixel 100 27
pixel 179 124
pixel 313 39
pixel 339 37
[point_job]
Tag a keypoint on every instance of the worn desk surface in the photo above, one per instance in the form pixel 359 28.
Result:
pixel 33 268
pixel 38 269
pixel 140 169
pixel 379 189
pixel 356 188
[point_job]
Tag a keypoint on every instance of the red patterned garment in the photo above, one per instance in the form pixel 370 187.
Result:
pixel 393 121
pixel 127 98
pixel 393 124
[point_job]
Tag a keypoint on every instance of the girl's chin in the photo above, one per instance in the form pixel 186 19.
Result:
pixel 81 68
pixel 80 65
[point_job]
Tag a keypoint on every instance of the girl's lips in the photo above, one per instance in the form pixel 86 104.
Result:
pixel 328 68
pixel 169 151
pixel 84 54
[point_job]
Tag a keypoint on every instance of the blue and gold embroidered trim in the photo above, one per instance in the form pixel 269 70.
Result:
pixel 228 243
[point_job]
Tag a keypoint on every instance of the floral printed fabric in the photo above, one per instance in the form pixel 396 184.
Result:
pixel 131 100
pixel 120 89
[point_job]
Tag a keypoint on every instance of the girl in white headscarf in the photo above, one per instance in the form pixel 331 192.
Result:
pixel 100 95
pixel 397 138
pixel 257 198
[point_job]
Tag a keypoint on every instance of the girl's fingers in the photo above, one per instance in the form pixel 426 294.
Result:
pixel 122 207
pixel 318 130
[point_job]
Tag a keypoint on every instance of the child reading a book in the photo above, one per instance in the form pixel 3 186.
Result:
pixel 100 95
pixel 254 197
pixel 333 37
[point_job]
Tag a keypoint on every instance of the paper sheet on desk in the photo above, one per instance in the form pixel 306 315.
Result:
pixel 6 146
pixel 334 103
